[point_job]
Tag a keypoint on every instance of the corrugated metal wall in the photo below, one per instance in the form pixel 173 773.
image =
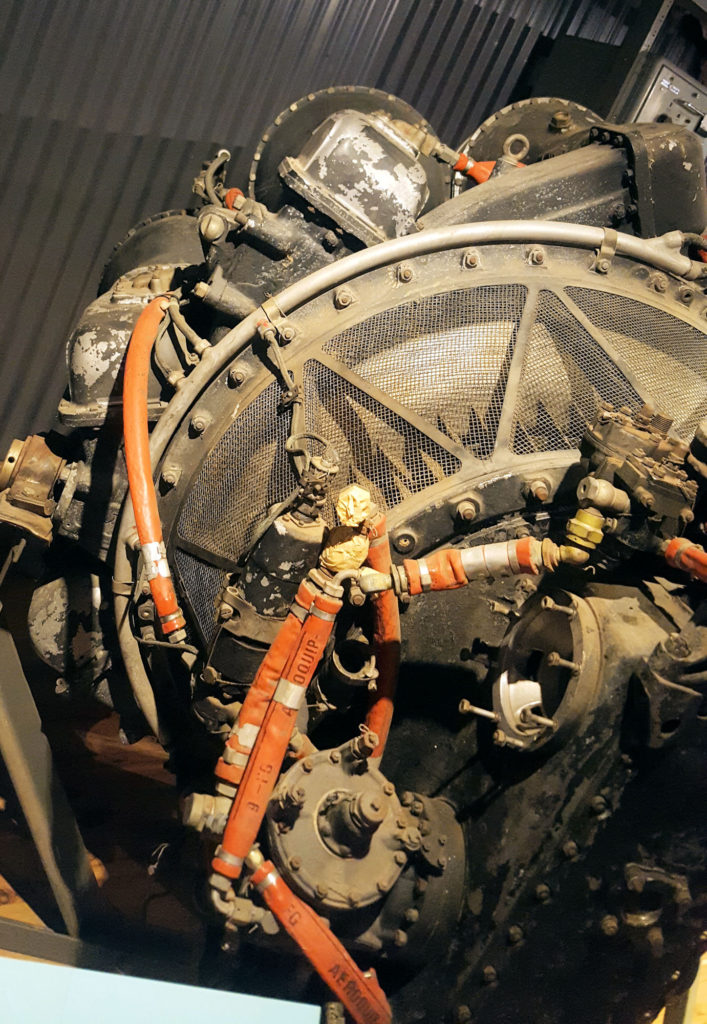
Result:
pixel 107 108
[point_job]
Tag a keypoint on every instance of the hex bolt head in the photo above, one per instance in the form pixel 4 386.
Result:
pixel 399 937
pixel 307 765
pixel 287 332
pixel 404 542
pixel 322 890
pixel 515 934
pixel 330 240
pixel 536 257
pixel 470 259
pixel 467 510
pixel 542 892
pixel 603 266
pixel 570 849
pixel 598 804
pixel 489 974
pixel 295 863
pixel 343 298
pixel 199 423
pixel 388 788
pixel 353 898
pixel 659 282
pixel 235 377
pixel 171 475
pixel 334 756
pixel 404 273
pixel 412 914
pixel 609 924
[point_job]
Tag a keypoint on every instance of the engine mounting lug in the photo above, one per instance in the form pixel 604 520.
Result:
pixel 515 934
pixel 399 937
pixel 404 273
pixel 609 925
pixel 470 259
pixel 542 892
pixel 467 510
pixel 404 543
pixel 490 975
pixel 343 297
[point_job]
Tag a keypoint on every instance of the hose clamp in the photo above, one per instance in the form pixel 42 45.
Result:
pixel 289 694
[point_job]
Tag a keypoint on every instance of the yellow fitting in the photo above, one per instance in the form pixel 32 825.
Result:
pixel 346 548
pixel 353 505
pixel 585 528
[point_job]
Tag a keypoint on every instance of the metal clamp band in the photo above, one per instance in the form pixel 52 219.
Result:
pixel 247 734
pixel 155 557
pixel 289 694
pixel 425 578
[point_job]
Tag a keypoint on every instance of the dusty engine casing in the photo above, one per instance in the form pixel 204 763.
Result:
pixel 471 376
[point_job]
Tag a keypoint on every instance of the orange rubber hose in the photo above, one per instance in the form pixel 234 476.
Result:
pixel 683 554
pixel 250 718
pixel 386 640
pixel 264 764
pixel 358 990
pixel 137 459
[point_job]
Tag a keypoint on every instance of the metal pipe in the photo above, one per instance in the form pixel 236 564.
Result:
pixel 456 236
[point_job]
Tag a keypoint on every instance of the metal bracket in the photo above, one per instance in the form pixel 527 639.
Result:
pixel 607 251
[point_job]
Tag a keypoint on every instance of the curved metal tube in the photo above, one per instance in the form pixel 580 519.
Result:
pixel 656 252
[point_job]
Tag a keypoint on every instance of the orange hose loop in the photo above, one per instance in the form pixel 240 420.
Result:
pixel 137 459
pixel 683 554
pixel 358 990
pixel 386 641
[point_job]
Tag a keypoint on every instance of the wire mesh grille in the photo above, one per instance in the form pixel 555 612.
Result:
pixel 446 357
pixel 377 448
pixel 565 376
pixel 247 471
pixel 667 356
pixel 202 583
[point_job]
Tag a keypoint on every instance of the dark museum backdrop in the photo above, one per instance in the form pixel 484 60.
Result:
pixel 109 106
